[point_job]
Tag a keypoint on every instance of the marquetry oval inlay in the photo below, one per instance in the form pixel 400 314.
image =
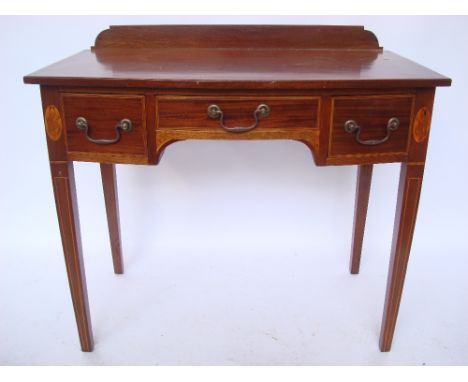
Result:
pixel 421 124
pixel 53 123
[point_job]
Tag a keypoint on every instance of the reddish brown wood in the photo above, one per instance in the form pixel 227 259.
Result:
pixel 309 137
pixel 63 181
pixel 405 218
pixel 418 147
pixel 151 123
pixel 103 112
pixel 190 113
pixel 268 68
pixel 371 113
pixel 325 128
pixel 291 118
pixel 187 118
pixel 56 147
pixel 164 78
pixel 237 36
pixel 363 184
pixel 109 185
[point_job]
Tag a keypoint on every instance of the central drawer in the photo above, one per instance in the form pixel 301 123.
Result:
pixel 235 115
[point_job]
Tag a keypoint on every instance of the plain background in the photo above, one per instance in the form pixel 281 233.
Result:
pixel 236 253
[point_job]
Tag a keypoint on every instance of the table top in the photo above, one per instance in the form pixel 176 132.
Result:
pixel 198 64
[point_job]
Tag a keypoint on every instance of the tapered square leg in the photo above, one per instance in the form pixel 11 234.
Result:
pixel 109 185
pixel 405 218
pixel 63 181
pixel 363 184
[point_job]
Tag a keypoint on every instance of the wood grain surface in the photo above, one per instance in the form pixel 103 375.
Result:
pixel 163 78
pixel 237 57
pixel 103 113
pixel 111 199
pixel 236 36
pixel 363 185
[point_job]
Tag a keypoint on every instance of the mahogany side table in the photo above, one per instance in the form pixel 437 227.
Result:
pixel 141 88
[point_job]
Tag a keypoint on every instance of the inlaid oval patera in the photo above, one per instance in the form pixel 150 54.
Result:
pixel 53 123
pixel 421 125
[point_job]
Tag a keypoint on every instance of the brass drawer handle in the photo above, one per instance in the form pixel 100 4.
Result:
pixel 215 112
pixel 124 125
pixel 351 127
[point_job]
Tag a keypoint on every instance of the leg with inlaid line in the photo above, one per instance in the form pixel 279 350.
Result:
pixel 63 181
pixel 405 218
pixel 109 185
pixel 363 184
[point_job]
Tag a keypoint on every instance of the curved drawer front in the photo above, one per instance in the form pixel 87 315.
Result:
pixel 191 113
pixel 237 117
pixel 370 125
pixel 113 127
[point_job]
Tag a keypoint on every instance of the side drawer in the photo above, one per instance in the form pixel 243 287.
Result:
pixel 370 125
pixel 113 127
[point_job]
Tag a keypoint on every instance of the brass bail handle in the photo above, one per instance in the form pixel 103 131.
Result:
pixel 215 112
pixel 351 127
pixel 125 125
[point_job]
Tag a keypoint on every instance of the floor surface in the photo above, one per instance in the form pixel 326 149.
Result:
pixel 293 308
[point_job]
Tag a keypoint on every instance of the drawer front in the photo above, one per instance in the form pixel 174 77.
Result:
pixel 106 136
pixel 191 114
pixel 375 125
